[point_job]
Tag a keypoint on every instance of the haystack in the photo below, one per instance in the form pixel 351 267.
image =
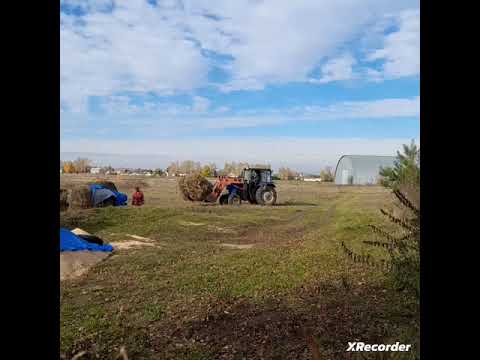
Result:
pixel 63 199
pixel 80 197
pixel 108 184
pixel 195 187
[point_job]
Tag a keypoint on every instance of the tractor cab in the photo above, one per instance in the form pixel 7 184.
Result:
pixel 257 176
pixel 258 186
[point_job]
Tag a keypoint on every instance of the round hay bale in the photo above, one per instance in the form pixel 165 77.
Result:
pixel 81 197
pixel 195 187
pixel 64 199
pixel 108 184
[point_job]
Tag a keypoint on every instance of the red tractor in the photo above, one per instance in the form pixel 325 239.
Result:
pixel 253 185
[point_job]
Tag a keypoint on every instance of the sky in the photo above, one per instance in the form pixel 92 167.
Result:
pixel 288 83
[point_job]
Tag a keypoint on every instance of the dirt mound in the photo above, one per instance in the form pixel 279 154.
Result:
pixel 80 197
pixel 195 187
pixel 108 184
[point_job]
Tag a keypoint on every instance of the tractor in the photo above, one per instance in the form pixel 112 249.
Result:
pixel 253 185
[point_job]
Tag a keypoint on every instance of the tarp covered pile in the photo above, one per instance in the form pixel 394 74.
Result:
pixel 100 193
pixel 71 242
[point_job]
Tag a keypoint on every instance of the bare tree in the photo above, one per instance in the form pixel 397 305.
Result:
pixel 209 169
pixel 82 165
pixel 173 168
pixel 327 174
pixel 189 167
pixel 286 173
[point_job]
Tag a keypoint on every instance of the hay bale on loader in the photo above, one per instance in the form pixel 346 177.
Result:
pixel 195 187
pixel 80 197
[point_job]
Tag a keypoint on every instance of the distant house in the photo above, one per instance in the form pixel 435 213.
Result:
pixel 313 179
pixel 299 176
pixel 95 170
pixel 123 171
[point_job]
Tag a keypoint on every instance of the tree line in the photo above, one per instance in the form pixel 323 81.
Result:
pixel 210 169
pixel 81 165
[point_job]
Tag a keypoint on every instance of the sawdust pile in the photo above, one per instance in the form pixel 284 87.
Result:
pixel 76 263
pixel 195 187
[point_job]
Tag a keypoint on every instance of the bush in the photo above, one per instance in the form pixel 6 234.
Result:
pixel 403 244
pixel 406 169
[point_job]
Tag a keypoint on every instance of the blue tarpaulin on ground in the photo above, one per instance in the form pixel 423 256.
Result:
pixel 71 242
pixel 100 193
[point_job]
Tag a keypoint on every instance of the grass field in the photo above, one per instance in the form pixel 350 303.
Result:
pixel 191 297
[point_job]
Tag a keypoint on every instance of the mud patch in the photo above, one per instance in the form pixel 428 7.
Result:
pixel 274 329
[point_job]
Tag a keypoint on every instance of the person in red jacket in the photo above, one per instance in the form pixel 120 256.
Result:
pixel 137 197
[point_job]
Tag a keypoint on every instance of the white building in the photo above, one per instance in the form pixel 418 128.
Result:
pixel 361 169
pixel 95 170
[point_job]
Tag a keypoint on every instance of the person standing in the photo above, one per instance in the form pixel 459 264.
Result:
pixel 137 197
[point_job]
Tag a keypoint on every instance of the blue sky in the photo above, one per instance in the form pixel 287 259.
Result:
pixel 290 83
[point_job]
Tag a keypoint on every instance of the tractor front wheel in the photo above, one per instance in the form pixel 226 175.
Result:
pixel 266 196
pixel 223 199
pixel 234 199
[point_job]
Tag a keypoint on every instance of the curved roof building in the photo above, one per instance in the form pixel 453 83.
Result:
pixel 361 169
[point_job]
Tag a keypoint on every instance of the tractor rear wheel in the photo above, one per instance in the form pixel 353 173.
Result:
pixel 266 196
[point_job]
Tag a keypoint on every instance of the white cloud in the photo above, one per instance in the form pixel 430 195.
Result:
pixel 143 48
pixel 222 109
pixel 337 69
pixel 172 119
pixel 132 49
pixel 200 104
pixel 306 154
pixel 279 41
pixel 385 108
pixel 401 49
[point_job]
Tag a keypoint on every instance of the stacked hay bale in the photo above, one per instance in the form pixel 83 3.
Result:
pixel 195 187
pixel 80 197
pixel 64 194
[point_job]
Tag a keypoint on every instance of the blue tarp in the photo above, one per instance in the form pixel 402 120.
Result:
pixel 101 193
pixel 71 242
